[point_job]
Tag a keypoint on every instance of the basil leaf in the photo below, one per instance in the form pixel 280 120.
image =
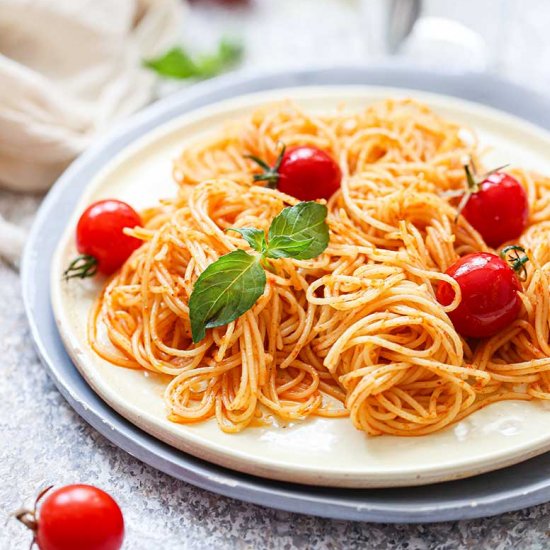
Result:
pixel 299 232
pixel 177 63
pixel 254 237
pixel 225 290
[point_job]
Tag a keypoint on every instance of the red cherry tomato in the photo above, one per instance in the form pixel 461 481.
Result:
pixel 308 173
pixel 305 172
pixel 79 517
pixel 499 210
pixel 489 288
pixel 99 233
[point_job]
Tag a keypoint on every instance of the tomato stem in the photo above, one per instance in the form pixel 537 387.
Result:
pixel 29 518
pixel 510 254
pixel 270 174
pixel 473 182
pixel 473 187
pixel 81 267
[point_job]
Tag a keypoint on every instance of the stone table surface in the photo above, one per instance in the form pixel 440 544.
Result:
pixel 42 441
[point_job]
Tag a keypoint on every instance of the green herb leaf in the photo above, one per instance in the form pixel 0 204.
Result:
pixel 299 232
pixel 225 290
pixel 254 237
pixel 177 63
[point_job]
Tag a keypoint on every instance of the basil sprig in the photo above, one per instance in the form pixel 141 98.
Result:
pixel 232 284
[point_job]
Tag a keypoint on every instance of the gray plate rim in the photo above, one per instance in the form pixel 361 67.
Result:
pixel 513 488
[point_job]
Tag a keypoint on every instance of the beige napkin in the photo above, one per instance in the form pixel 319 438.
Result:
pixel 68 70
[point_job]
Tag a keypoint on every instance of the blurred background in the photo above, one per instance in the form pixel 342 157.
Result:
pixel 509 37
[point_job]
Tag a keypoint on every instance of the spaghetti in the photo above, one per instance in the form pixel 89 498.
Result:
pixel 357 331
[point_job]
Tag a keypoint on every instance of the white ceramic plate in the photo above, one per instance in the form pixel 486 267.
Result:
pixel 317 451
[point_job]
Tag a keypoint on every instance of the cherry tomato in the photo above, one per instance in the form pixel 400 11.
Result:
pixel 305 172
pixel 100 239
pixel 489 288
pixel 308 173
pixel 498 210
pixel 77 517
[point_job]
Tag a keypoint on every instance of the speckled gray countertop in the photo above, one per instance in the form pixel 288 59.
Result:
pixel 42 441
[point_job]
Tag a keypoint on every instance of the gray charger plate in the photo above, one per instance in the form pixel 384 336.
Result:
pixel 509 489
